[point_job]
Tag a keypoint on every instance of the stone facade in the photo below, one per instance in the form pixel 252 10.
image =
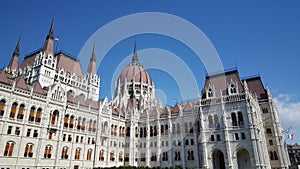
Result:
pixel 50 116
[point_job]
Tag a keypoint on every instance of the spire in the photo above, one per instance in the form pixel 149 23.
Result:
pixel 51 30
pixel 92 70
pixel 49 44
pixel 135 59
pixel 14 61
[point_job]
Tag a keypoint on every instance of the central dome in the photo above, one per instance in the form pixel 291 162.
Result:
pixel 135 73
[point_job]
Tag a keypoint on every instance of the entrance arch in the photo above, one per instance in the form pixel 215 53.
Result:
pixel 243 159
pixel 218 160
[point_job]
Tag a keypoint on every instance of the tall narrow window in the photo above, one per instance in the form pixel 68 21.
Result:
pixel 83 124
pixel 54 117
pixel 64 153
pixel 210 122
pixel 94 126
pixel 240 119
pixel 2 107
pixel 77 154
pixel 28 150
pixel 13 110
pixel 191 127
pixel 79 123
pixel 90 125
pixel 217 123
pixel 112 156
pixel 31 114
pixel 38 115
pixel 47 152
pixel 71 125
pixel 21 112
pixel 101 155
pixel 120 156
pixel 232 89
pixel 233 119
pixel 9 148
pixel 128 132
pixel 155 131
pixel 66 120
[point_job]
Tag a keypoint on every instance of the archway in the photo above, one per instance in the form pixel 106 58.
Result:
pixel 243 159
pixel 218 160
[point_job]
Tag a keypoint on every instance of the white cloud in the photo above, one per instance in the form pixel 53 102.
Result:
pixel 289 114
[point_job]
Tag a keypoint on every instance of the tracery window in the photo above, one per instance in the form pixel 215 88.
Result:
pixel 77 154
pixel 47 151
pixel 28 150
pixel 21 112
pixel 2 107
pixel 64 153
pixel 13 110
pixel 9 148
pixel 101 155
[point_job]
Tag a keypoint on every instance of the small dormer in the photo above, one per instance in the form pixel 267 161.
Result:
pixel 232 88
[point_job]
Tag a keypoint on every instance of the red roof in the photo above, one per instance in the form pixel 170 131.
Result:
pixel 69 64
pixel 21 83
pixel 256 87
pixel 4 79
pixel 38 88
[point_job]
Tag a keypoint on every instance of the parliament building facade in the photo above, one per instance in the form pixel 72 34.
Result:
pixel 51 117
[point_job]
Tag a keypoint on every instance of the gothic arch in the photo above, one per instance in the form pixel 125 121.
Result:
pixel 243 159
pixel 218 159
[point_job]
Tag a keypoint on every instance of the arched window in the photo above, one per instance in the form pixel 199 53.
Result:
pixel 275 155
pixel 2 107
pixel 9 148
pixel 13 110
pixel 38 115
pixel 31 114
pixel 112 130
pixel 83 124
pixel 136 132
pixel 232 88
pixel 240 119
pixel 28 150
pixel 151 131
pixel 115 130
pixel 71 125
pixel 186 127
pixel 47 152
pixel 77 154
pixel 233 119
pixel 155 131
pixel 112 156
pixel 210 93
pixel 271 155
pixel 94 126
pixel 217 123
pixel 145 132
pixel 90 125
pixel 21 112
pixel 190 155
pixel 54 117
pixel 191 127
pixel 66 120
pixel 210 122
pixel 178 128
pixel 120 156
pixel 79 123
pixel 89 154
pixel 101 155
pixel 128 132
pixel 64 153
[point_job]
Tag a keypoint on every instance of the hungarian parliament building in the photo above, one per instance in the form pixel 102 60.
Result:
pixel 51 117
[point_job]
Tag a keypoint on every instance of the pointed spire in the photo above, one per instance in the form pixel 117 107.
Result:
pixel 92 70
pixel 14 61
pixel 135 59
pixel 51 30
pixel 49 44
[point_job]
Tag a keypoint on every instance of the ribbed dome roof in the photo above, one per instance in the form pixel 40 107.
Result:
pixel 135 72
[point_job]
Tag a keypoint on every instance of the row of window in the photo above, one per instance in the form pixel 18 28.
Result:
pixel 18 131
pixel 236 120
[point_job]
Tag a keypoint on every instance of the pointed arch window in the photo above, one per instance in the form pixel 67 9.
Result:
pixel 101 155
pixel 66 121
pixel 233 119
pixel 232 89
pixel 217 122
pixel 28 150
pixel 83 124
pixel 21 112
pixel 13 110
pixel 94 126
pixel 54 117
pixel 112 156
pixel 38 115
pixel 120 156
pixel 77 154
pixel 31 114
pixel 210 92
pixel 47 151
pixel 9 148
pixel 2 107
pixel 79 123
pixel 210 122
pixel 71 125
pixel 64 153
pixel 240 119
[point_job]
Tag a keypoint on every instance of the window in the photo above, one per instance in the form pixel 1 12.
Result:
pixel 101 155
pixel 38 115
pixel 9 129
pixel 2 107
pixel 64 137
pixel 128 132
pixel 190 155
pixel 269 131
pixel 186 142
pixel 17 131
pixel 178 128
pixel 191 127
pixel 233 119
pixel 126 157
pixel 79 123
pixel 77 154
pixel 153 157
pixel 69 138
pixel 94 126
pixel 77 139
pixel 241 120
pixel 28 150
pixel 54 117
pixel 9 148
pixel 218 137
pixel 21 112
pixel 35 133
pixel 143 157
pixel 66 120
pixel 186 127
pixel 192 141
pixel 112 156
pixel 177 156
pixel 47 152
pixel 275 155
pixel 232 89
pixel 81 139
pixel 243 135
pixel 64 153
pixel 271 142
pixel 236 136
pixel 210 93
pixel 210 122
pixel 31 114
pixel 217 123
pixel 91 124
pixel 165 156
pixel 28 132
pixel 212 138
pixel 120 157
pixel 13 110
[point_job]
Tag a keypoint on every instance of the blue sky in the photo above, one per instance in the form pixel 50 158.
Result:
pixel 256 37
